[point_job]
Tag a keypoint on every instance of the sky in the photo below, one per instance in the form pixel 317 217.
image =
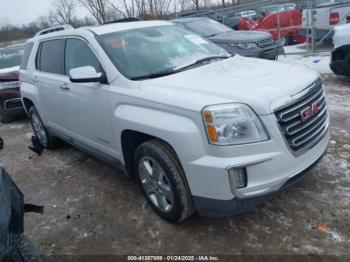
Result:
pixel 18 12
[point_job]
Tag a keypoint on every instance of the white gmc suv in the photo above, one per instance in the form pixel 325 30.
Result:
pixel 200 130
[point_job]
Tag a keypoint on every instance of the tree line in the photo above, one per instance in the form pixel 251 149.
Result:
pixel 103 11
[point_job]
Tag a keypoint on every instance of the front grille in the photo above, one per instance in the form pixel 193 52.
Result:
pixel 13 104
pixel 265 43
pixel 303 133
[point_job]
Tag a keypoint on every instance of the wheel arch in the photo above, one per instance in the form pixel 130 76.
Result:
pixel 27 104
pixel 131 139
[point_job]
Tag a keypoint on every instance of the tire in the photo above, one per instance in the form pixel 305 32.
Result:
pixel 3 118
pixel 158 169
pixel 44 138
pixel 23 252
pixel 288 40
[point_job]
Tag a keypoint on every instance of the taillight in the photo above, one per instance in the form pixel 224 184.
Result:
pixel 334 18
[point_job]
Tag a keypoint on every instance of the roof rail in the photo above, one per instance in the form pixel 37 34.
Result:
pixel 124 20
pixel 54 29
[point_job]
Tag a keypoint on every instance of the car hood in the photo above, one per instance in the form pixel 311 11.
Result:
pixel 240 36
pixel 256 82
pixel 9 74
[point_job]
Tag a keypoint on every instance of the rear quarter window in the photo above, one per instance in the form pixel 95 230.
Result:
pixel 27 51
pixel 50 56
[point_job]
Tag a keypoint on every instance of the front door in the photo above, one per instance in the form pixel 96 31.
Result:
pixel 86 105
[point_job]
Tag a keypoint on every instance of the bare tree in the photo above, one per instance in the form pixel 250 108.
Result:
pixel 101 10
pixel 196 3
pixel 63 12
pixel 43 22
pixel 158 8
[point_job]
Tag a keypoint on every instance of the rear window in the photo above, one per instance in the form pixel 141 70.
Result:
pixel 27 51
pixel 50 57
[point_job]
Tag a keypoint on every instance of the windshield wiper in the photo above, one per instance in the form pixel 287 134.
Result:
pixel 179 69
pixel 155 75
pixel 202 61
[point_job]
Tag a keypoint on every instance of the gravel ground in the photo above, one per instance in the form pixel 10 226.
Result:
pixel 91 208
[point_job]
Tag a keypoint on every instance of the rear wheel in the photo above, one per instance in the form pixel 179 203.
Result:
pixel 43 136
pixel 163 181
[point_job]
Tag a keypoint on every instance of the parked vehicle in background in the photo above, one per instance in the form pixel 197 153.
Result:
pixel 289 6
pixel 249 13
pixel 271 9
pixel 10 97
pixel 200 129
pixel 327 15
pixel 340 62
pixel 251 44
pixel 203 13
pixel 232 21
pixel 283 25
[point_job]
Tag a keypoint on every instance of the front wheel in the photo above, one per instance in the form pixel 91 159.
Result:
pixel 163 181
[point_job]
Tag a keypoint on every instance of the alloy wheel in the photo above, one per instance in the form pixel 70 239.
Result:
pixel 156 184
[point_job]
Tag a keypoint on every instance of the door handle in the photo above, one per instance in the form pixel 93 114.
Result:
pixel 64 86
pixel 35 79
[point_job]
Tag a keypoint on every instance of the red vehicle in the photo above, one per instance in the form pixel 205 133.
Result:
pixel 283 25
pixel 10 96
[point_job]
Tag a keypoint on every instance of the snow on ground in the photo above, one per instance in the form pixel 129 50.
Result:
pixel 298 55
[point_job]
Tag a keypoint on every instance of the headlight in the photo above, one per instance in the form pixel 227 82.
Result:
pixel 8 85
pixel 233 124
pixel 243 45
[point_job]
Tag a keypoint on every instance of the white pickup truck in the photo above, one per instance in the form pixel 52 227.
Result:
pixel 327 15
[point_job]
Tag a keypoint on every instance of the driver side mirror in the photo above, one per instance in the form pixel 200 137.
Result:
pixel 86 74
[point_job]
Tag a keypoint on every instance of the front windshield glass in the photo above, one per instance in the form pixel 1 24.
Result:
pixel 10 57
pixel 208 27
pixel 146 51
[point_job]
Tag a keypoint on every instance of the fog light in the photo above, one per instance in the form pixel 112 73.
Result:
pixel 238 178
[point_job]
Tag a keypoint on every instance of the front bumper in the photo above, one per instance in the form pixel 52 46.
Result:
pixel 13 106
pixel 270 165
pixel 269 53
pixel 11 103
pixel 220 208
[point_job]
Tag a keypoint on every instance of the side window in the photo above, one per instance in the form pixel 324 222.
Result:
pixel 27 51
pixel 79 54
pixel 50 57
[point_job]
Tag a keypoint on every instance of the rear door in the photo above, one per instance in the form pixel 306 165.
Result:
pixel 48 77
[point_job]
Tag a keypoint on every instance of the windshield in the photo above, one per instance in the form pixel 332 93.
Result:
pixel 10 57
pixel 146 51
pixel 208 27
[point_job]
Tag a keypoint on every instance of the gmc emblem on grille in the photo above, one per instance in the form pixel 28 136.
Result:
pixel 310 111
